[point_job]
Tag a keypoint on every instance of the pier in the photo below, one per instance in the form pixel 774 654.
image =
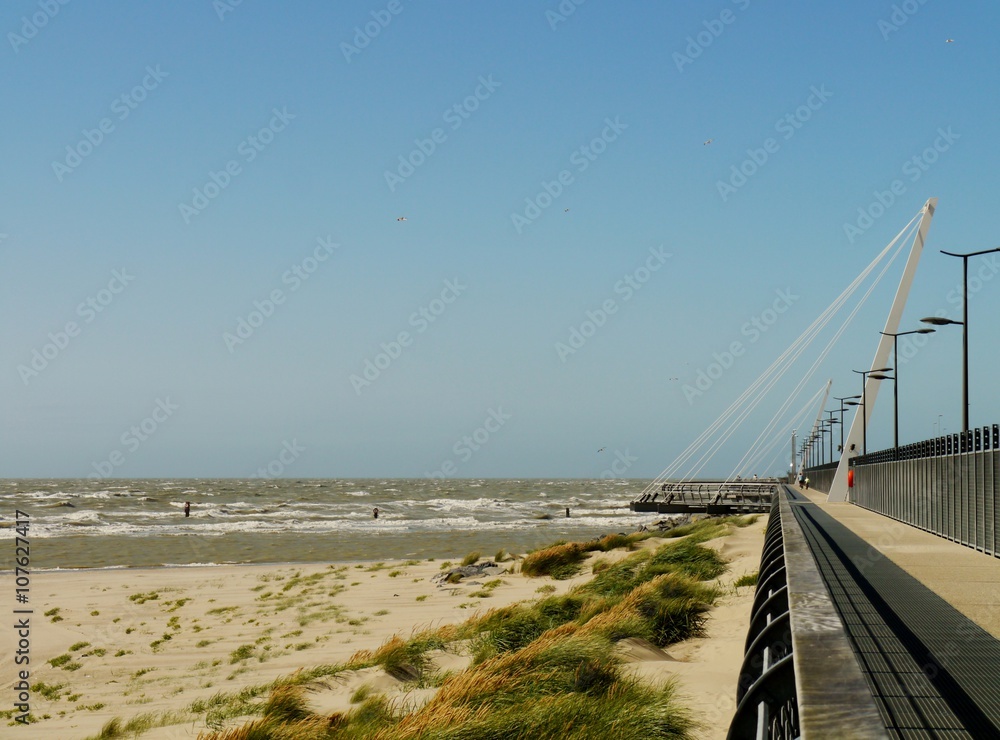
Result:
pixel 716 497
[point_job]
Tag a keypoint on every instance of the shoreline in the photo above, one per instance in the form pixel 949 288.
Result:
pixel 129 641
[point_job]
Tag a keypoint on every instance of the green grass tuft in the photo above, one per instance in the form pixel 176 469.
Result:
pixel 471 559
pixel 750 579
pixel 559 561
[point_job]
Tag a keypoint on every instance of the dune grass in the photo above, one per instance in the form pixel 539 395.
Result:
pixel 545 668
pixel 564 685
pixel 471 559
pixel 559 561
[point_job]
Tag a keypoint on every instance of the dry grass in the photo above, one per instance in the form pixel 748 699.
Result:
pixel 540 669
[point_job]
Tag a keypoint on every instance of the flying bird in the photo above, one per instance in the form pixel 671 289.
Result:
pixel 401 218
pixel 949 41
pixel 565 210
pixel 602 449
pixel 706 143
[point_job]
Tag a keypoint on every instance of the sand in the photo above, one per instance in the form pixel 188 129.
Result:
pixel 156 640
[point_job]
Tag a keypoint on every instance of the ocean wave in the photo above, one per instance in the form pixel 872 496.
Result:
pixel 385 524
pixel 452 504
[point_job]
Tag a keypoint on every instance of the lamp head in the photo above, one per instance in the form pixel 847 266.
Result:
pixel 939 321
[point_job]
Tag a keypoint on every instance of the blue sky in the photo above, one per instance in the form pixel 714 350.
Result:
pixel 122 120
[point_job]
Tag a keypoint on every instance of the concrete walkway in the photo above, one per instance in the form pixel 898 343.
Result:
pixel 967 579
pixel 917 610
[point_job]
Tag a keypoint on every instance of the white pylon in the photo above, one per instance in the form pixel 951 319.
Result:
pixel 852 445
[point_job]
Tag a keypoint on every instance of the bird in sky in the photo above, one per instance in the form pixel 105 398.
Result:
pixel 401 218
pixel 708 142
pixel 602 449
pixel 949 41
pixel 565 210
pixel 675 378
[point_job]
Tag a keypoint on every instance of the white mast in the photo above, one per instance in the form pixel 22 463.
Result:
pixel 838 489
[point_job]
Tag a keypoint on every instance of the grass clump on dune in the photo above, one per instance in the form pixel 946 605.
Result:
pixel 709 529
pixel 116 728
pixel 563 559
pixel 405 660
pixel 559 561
pixel 471 559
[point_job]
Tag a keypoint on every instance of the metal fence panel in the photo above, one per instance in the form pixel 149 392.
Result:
pixel 948 486
pixel 993 536
pixel 980 496
pixel 964 493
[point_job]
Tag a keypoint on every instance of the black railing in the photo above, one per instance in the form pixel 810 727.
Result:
pixel 765 695
pixel 975 440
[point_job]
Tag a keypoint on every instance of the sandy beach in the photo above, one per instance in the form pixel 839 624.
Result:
pixel 124 642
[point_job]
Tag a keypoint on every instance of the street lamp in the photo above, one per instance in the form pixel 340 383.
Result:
pixel 842 409
pixel 965 328
pixel 864 400
pixel 895 382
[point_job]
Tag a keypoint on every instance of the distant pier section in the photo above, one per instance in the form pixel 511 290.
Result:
pixel 708 497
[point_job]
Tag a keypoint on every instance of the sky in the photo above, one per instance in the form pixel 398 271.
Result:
pixel 403 239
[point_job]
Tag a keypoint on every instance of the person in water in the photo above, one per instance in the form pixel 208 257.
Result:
pixel 375 513
pixel 187 509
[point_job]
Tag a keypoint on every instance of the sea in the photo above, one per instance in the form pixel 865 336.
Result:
pixel 116 523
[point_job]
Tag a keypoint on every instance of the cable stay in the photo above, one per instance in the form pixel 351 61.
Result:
pixel 711 439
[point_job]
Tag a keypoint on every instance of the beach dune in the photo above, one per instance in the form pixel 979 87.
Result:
pixel 159 642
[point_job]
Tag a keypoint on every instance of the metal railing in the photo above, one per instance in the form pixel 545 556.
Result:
pixel 949 486
pixel 765 695
pixel 974 440
pixel 707 491
pixel 799 670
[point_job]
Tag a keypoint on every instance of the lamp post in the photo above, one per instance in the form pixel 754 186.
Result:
pixel 895 381
pixel 842 410
pixel 965 327
pixel 864 401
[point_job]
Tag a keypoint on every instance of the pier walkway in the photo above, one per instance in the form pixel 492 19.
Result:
pixel 717 497
pixel 921 613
